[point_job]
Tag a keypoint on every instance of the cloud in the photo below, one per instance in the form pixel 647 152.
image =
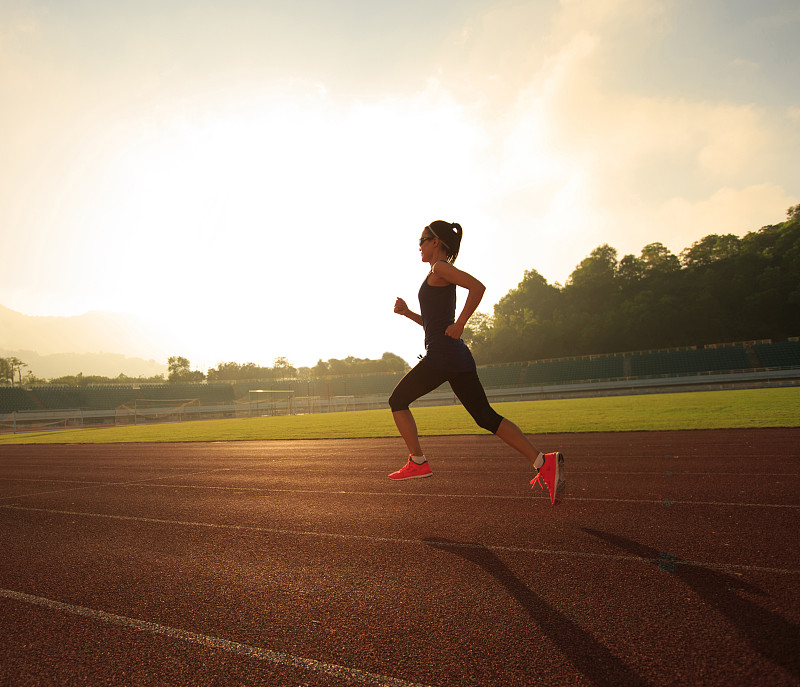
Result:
pixel 728 210
pixel 587 159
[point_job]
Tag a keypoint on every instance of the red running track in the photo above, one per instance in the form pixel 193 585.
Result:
pixel 674 560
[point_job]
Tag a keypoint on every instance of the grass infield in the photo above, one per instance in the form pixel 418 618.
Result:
pixel 745 408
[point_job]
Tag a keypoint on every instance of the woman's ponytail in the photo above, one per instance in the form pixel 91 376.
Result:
pixel 449 233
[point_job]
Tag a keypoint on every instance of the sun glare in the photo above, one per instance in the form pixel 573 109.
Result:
pixel 243 216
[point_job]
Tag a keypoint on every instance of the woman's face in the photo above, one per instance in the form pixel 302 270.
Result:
pixel 428 244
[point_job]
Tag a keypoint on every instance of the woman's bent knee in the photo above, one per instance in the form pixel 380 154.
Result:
pixel 397 403
pixel 489 420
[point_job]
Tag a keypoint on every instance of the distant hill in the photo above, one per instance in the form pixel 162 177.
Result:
pixel 102 364
pixel 96 343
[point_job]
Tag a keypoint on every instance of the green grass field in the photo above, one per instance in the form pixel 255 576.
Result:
pixel 698 410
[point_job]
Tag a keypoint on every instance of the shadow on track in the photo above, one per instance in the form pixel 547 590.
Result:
pixel 587 655
pixel 770 635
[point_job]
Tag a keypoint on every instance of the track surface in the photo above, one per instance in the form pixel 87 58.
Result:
pixel 674 560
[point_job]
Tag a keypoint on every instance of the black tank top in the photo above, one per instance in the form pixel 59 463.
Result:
pixel 438 306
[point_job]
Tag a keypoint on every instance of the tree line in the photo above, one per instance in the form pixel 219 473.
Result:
pixel 720 289
pixel 180 369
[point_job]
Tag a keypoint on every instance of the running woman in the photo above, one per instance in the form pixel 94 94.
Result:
pixel 447 358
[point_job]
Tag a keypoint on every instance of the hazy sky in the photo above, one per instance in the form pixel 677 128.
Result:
pixel 253 175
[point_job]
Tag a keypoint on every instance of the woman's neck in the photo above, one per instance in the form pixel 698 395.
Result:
pixel 436 259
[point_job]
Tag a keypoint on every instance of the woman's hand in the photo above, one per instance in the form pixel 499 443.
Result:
pixel 454 331
pixel 400 307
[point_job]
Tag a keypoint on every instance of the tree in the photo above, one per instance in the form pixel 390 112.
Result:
pixel 709 249
pixel 224 372
pixel 658 259
pixel 284 369
pixel 391 362
pixel 321 369
pixel 180 370
pixel 518 329
pixel 478 328
pixel 596 270
pixel 9 367
pixel 630 270
pixel 533 298
pixel 6 375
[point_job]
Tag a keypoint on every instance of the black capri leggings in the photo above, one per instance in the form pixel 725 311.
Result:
pixel 423 379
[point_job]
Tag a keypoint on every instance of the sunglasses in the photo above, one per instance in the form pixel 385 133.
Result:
pixel 425 238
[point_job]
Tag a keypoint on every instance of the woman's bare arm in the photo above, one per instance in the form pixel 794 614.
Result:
pixel 401 308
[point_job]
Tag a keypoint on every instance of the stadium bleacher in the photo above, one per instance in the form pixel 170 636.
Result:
pixel 499 376
pixel 779 353
pixel 14 399
pixel 373 385
pixel 59 397
pixel 107 397
pixel 204 393
pixel 573 370
pixel 690 361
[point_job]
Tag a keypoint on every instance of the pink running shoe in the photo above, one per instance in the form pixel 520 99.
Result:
pixel 412 471
pixel 552 474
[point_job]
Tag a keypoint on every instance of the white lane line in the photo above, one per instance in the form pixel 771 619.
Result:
pixel 526 497
pixel 339 492
pixel 51 481
pixel 408 542
pixel 343 672
pixel 99 485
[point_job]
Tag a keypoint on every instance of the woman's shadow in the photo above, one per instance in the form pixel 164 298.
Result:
pixel 771 635
pixel 587 655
